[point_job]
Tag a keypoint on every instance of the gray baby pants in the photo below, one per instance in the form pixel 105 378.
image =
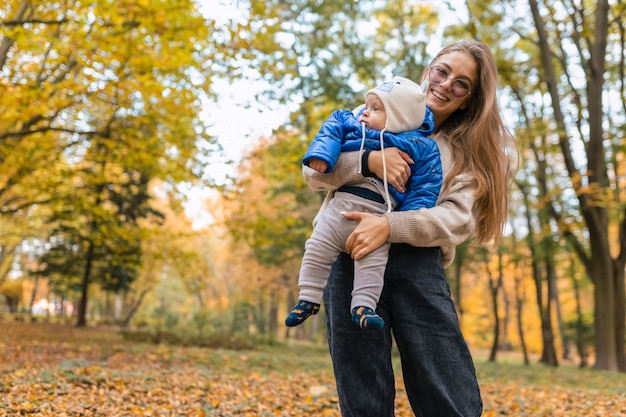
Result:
pixel 328 240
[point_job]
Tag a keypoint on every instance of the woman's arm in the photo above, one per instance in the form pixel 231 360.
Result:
pixel 347 167
pixel 447 224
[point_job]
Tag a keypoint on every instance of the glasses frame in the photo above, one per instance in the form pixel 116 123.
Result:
pixel 448 77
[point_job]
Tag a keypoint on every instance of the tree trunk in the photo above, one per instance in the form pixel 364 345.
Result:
pixel 82 305
pixel 620 311
pixel 505 344
pixel 609 298
pixel 117 307
pixel 494 286
pixel 549 356
pixel 559 317
pixel 134 307
pixel 461 253
pixel 33 295
pixel 580 327
pixel 605 308
pixel 519 300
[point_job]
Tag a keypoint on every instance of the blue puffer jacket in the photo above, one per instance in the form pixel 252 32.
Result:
pixel 342 132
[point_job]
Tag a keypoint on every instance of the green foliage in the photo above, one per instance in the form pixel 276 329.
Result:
pixel 226 329
pixel 324 55
pixel 63 263
pixel 101 214
pixel 584 326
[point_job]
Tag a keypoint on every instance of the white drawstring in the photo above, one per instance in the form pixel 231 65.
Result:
pixel 362 147
pixel 382 153
pixel 382 150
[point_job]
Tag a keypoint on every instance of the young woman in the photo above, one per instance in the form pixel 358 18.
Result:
pixel 476 149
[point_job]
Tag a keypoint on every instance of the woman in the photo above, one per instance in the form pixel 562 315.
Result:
pixel 476 148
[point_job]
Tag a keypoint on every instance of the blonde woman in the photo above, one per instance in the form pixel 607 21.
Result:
pixel 416 306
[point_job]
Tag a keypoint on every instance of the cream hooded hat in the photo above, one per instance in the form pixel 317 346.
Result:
pixel 405 104
pixel 405 109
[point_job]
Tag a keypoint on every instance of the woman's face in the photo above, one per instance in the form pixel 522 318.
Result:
pixel 439 99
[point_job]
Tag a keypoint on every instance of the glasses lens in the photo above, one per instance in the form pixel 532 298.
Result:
pixel 459 89
pixel 438 75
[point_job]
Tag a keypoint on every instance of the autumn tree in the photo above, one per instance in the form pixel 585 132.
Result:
pixel 569 62
pixel 12 292
pixel 595 182
pixel 271 209
pixel 562 58
pixel 119 80
pixel 94 231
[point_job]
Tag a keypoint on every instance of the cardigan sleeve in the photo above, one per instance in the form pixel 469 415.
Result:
pixel 345 172
pixel 449 223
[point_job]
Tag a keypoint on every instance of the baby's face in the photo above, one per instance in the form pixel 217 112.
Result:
pixel 373 115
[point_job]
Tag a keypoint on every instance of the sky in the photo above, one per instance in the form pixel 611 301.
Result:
pixel 237 120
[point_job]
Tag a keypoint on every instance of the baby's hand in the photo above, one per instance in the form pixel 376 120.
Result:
pixel 318 165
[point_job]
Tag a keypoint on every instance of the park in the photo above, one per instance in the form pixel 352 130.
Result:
pixel 147 270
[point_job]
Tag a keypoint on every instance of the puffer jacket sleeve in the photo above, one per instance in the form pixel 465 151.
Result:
pixel 422 189
pixel 326 145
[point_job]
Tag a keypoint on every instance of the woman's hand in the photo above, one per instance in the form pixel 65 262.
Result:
pixel 371 232
pixel 398 170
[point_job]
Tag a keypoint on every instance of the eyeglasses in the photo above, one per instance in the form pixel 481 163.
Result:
pixel 438 75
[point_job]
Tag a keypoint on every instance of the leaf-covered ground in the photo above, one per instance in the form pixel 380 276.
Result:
pixel 56 370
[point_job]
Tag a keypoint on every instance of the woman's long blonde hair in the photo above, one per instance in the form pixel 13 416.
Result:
pixel 482 145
